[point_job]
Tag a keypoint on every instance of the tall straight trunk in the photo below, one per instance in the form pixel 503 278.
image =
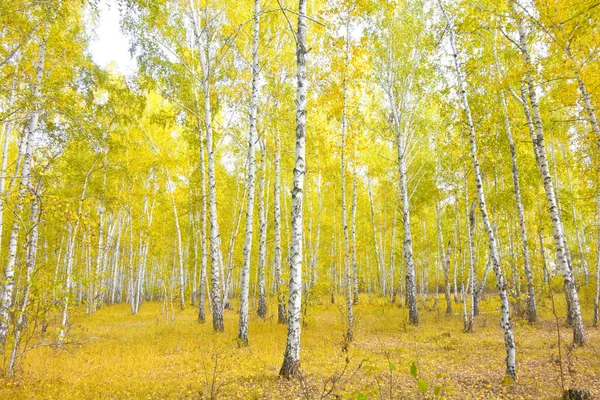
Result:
pixel 100 249
pixel 597 294
pixel 589 108
pixel 245 280
pixel 314 253
pixel 194 250
pixel 215 251
pixel 227 283
pixel 470 223
pixel 130 288
pixel 407 248
pixel 262 244
pixel 375 242
pixel 6 301
pixel 556 219
pixel 347 277
pixel 72 229
pixel 444 260
pixel 29 271
pixel 392 291
pixel 7 133
pixel 291 361
pixel 509 340
pixel 204 259
pixel 531 301
pixel 171 188
pixel 581 245
pixel 354 268
pixel 281 313
pixel 116 261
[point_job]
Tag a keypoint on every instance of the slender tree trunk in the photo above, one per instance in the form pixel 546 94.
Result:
pixel 215 251
pixel 281 313
pixel 348 280
pixel 291 360
pixel 557 224
pixel 445 261
pixel 262 247
pixel 597 294
pixel 470 222
pixel 30 269
pixel 6 300
pixel 375 242
pixel 7 133
pixel 531 300
pixel 171 188
pixel 407 248
pixel 70 256
pixel 509 340
pixel 581 245
pixel 354 267
pixel 245 280
pixel 203 232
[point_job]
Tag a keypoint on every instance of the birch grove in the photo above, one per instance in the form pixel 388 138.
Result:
pixel 380 159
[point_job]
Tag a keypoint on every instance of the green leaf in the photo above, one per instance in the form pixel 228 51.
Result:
pixel 437 390
pixel 413 369
pixel 392 367
pixel 423 386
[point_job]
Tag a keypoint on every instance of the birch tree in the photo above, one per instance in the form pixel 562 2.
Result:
pixel 291 359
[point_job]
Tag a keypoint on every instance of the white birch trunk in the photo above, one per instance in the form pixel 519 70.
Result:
pixel 252 138
pixel 262 247
pixel 531 300
pixel 509 340
pixel 6 299
pixel 291 361
pixel 70 256
pixel 281 312
pixel 557 224
pixel 354 267
pixel 348 281
pixel 171 188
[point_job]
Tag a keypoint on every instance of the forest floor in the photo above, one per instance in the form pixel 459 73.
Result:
pixel 113 354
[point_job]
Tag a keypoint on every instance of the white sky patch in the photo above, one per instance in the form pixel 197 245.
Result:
pixel 109 45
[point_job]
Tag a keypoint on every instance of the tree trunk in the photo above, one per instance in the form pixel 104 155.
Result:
pixel 70 256
pixel 597 294
pixel 245 278
pixel 171 188
pixel 6 301
pixel 204 259
pixel 354 267
pixel 557 224
pixel 281 313
pixel 262 246
pixel 445 261
pixel 509 340
pixel 531 300
pixel 291 360
pixel 347 277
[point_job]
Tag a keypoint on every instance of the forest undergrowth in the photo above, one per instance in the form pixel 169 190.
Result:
pixel 158 355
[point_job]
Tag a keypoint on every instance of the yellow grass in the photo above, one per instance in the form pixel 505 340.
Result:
pixel 114 355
